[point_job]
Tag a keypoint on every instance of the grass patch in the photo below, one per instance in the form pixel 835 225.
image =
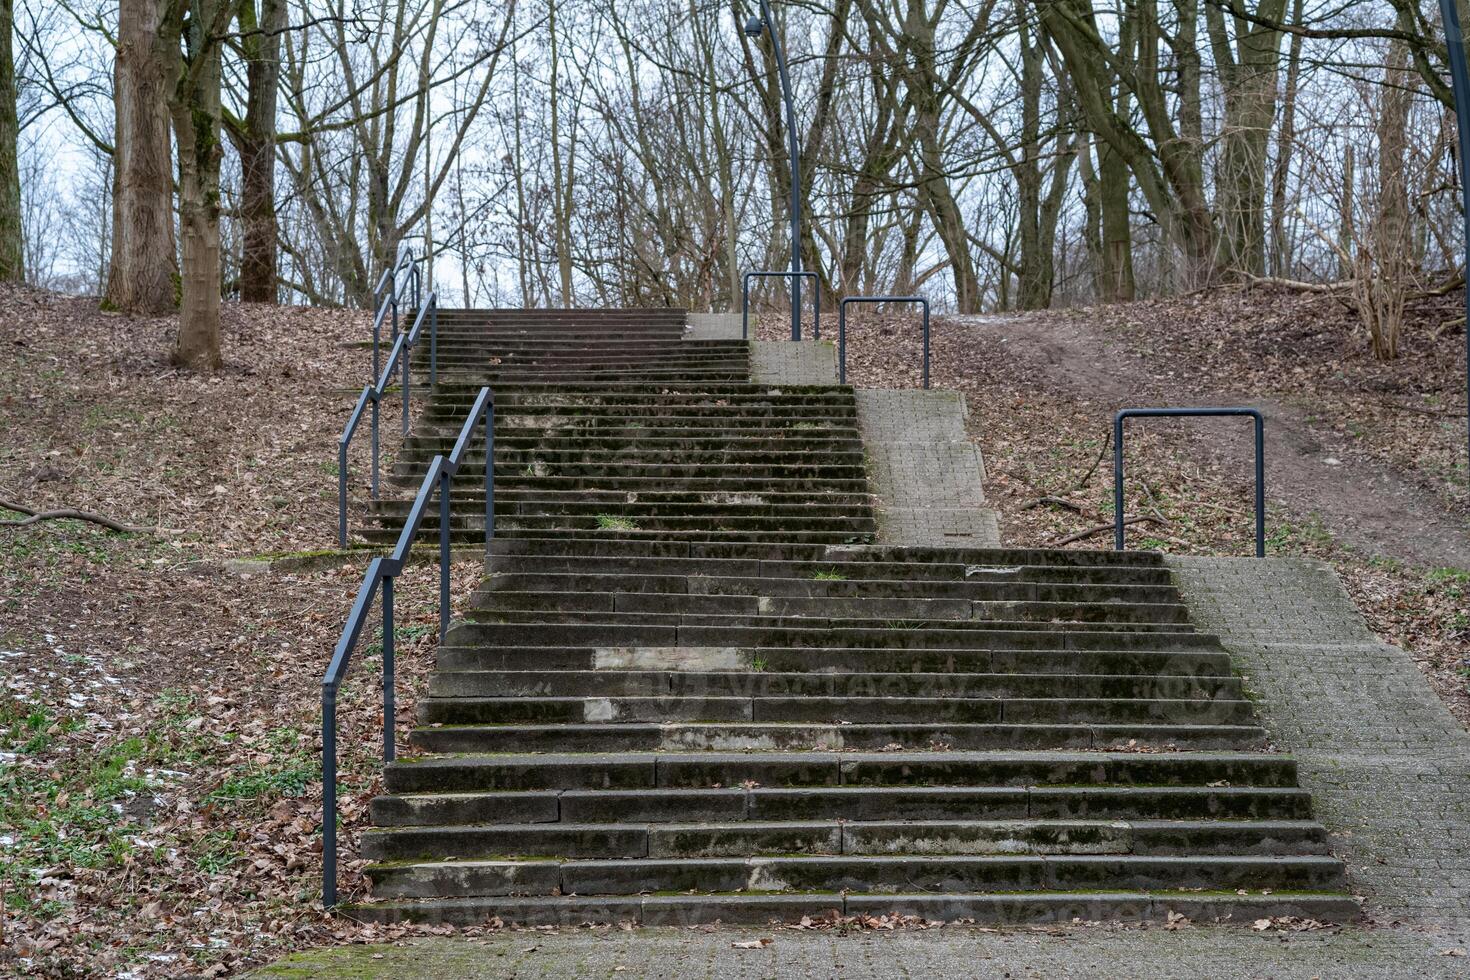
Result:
pixel 608 522
pixel 829 576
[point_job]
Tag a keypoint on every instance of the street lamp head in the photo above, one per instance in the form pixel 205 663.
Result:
pixel 755 27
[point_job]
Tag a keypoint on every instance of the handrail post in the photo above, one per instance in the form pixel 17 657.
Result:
pixel 444 554
pixel 842 305
pixel 407 385
pixel 925 304
pixel 745 306
pixel 329 796
pixel 388 708
pixel 1259 424
pixel 393 305
pixel 434 341
pixel 489 469
pixel 342 493
pixel 375 445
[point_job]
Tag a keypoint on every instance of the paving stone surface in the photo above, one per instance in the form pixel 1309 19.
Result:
pixel 792 362
pixel 954 952
pixel 713 326
pixel 928 478
pixel 1387 764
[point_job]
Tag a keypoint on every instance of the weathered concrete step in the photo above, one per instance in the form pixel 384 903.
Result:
pixel 640 484
pixel 958 636
pixel 795 736
pixel 763 803
pixel 444 683
pixel 649 770
pixel 791 457
pixel 667 469
pixel 749 838
pixel 745 909
pixel 831 660
pixel 674 497
pixel 828 607
pixel 591 432
pixel 507 560
pixel 570 372
pixel 826 710
pixel 473 536
pixel 979 558
pixel 647 394
pixel 825 583
pixel 945 874
pixel 568 440
pixel 468 512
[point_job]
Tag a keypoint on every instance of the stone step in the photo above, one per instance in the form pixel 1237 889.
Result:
pixel 940 873
pixel 1008 908
pixel 828 661
pixel 957 637
pixel 685 770
pixel 825 583
pixel 823 710
pixel 826 607
pixel 858 575
pixel 706 736
pixel 866 803
pixel 474 535
pixel 750 837
pixel 445 683
pixel 639 484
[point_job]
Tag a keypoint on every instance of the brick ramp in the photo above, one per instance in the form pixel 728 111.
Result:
pixel 695 689
pixel 1387 764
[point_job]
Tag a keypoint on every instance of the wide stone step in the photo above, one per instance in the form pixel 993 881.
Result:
pixel 473 535
pixel 925 609
pixel 824 583
pixel 750 837
pixel 639 484
pixel 793 736
pixel 640 438
pixel 829 660
pixel 959 637
pixel 766 803
pixel 854 873
pixel 825 710
pixel 445 683
pixel 1008 908
pixel 685 770
pixel 855 575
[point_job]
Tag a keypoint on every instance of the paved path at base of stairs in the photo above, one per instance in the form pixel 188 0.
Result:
pixel 1388 766
pixel 953 952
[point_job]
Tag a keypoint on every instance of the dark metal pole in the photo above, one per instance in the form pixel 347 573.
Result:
pixel 1260 422
pixel 388 710
pixel 489 471
pixel 1460 82
pixel 444 555
pixel 794 152
pixel 329 796
pixel 1118 482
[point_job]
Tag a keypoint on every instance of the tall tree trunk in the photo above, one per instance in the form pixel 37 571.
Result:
pixel 12 240
pixel 257 147
pixel 1281 253
pixel 143 272
pixel 196 112
pixel 1248 76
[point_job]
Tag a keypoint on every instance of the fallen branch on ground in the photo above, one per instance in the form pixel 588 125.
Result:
pixel 1054 502
pixel 36 517
pixel 1100 528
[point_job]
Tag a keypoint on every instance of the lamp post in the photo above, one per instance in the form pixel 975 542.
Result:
pixel 1460 83
pixel 754 27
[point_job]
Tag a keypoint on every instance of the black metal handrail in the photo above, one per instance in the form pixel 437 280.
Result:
pixel 788 274
pixel 842 329
pixel 381 575
pixel 386 294
pixel 372 395
pixel 1130 413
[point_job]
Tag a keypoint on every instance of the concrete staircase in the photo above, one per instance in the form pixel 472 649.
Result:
pixel 692 690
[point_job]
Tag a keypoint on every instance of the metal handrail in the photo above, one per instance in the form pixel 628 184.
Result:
pixel 842 329
pixel 399 358
pixel 388 304
pixel 1131 413
pixel 793 276
pixel 380 576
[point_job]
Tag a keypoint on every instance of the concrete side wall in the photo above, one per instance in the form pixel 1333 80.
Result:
pixel 787 362
pixel 1387 764
pixel 928 478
